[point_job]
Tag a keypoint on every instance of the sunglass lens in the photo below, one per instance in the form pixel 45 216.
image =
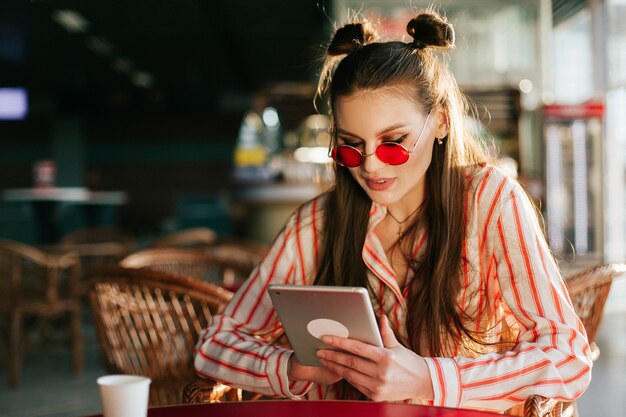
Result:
pixel 392 153
pixel 347 156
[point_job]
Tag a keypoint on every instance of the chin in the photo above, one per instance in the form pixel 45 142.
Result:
pixel 385 198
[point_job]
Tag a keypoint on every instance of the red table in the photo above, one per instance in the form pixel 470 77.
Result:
pixel 286 408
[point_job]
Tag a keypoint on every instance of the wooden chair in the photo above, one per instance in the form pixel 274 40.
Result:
pixel 588 291
pixel 41 285
pixel 195 237
pixel 227 267
pixel 148 324
pixel 98 247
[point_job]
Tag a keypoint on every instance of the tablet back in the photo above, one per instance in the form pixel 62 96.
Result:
pixel 310 312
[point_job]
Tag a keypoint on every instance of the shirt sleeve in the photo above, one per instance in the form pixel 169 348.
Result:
pixel 235 348
pixel 551 356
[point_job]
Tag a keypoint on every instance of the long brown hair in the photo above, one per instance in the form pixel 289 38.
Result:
pixel 357 62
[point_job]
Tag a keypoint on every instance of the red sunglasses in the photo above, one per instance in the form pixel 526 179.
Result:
pixel 388 152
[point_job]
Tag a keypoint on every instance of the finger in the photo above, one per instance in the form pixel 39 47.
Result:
pixel 349 361
pixel 355 347
pixel 351 375
pixel 365 391
pixel 325 376
pixel 386 333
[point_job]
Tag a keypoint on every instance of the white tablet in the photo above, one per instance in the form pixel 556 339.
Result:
pixel 310 312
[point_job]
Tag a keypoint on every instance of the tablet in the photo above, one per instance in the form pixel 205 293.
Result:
pixel 310 312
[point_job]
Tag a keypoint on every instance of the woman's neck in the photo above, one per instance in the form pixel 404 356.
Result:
pixel 406 208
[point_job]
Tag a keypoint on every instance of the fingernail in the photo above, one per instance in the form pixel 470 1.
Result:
pixel 327 339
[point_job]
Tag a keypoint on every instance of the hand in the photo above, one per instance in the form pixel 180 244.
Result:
pixel 392 373
pixel 298 372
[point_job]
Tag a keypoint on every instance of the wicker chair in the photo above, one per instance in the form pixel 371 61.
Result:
pixel 99 247
pixel 252 248
pixel 148 323
pixel 40 285
pixel 195 237
pixel 588 291
pixel 227 267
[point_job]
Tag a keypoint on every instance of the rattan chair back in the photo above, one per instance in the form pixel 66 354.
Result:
pixel 148 324
pixel 99 247
pixel 195 237
pixel 34 283
pixel 589 290
pixel 225 267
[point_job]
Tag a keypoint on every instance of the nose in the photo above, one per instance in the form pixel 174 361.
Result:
pixel 371 163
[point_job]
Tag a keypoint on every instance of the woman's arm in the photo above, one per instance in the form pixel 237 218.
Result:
pixel 235 349
pixel 551 356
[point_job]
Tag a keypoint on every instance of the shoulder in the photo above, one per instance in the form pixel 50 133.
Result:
pixel 489 178
pixel 308 214
pixel 489 186
pixel 301 230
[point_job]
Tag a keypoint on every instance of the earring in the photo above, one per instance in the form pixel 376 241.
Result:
pixel 440 141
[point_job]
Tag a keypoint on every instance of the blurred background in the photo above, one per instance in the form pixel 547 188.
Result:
pixel 152 117
pixel 190 112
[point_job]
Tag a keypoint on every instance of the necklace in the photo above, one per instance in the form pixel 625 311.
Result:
pixel 401 223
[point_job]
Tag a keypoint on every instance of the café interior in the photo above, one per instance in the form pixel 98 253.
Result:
pixel 177 137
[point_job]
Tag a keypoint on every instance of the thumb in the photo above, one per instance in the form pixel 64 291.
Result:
pixel 386 333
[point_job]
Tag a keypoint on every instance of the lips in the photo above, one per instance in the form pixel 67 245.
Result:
pixel 379 184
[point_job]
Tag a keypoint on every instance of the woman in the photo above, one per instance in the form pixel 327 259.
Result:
pixel 472 308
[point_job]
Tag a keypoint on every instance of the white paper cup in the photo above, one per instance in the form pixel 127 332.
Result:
pixel 124 395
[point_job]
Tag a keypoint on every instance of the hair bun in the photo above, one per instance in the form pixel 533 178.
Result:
pixel 430 29
pixel 349 38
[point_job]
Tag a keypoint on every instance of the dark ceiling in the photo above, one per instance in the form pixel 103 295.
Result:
pixel 198 54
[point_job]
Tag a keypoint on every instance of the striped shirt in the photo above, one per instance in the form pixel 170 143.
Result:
pixel 511 288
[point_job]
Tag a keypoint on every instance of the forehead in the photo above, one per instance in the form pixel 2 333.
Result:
pixel 377 108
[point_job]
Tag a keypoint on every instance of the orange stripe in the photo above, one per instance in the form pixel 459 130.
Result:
pixel 381 301
pixel 232 367
pixel 565 362
pixel 219 329
pixel 442 382
pixel 280 383
pixel 463 302
pixel 539 383
pixel 246 288
pixel 298 238
pixel 271 314
pixel 511 375
pixel 483 184
pixel 570 342
pixel 379 262
pixel 555 295
pixel 381 265
pixel 316 248
pixel 459 383
pixel 269 278
pixel 489 361
pixel 511 277
pixel 526 256
pixel 249 353
pixel 492 208
pixel 420 243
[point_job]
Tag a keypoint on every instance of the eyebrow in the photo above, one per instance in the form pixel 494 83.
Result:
pixel 380 133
